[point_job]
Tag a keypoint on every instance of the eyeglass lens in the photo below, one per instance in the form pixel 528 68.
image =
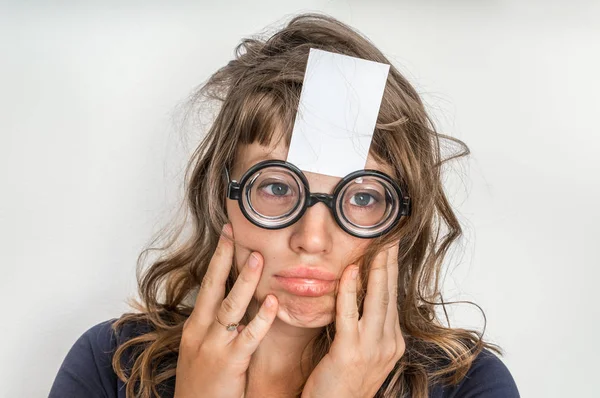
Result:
pixel 273 195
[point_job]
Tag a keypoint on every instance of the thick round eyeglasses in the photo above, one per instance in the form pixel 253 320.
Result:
pixel 274 194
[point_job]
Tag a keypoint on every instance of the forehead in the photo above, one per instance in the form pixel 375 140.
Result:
pixel 248 155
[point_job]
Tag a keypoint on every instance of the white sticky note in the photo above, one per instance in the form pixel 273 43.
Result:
pixel 337 113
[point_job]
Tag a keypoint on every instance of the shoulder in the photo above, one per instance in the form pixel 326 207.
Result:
pixel 87 368
pixel 487 377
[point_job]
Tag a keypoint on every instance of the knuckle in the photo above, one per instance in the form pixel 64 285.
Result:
pixel 229 305
pixel 350 314
pixel 400 349
pixel 188 343
pixel 207 282
pixel 390 352
pixel 386 299
pixel 380 356
pixel 249 333
pixel 246 278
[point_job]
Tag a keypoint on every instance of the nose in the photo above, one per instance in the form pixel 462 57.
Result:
pixel 313 231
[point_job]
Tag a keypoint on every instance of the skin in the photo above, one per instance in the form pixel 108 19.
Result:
pixel 316 240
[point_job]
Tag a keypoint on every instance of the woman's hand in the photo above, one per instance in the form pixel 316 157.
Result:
pixel 212 360
pixel 364 351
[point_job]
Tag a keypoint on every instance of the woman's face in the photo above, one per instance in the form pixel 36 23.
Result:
pixel 315 242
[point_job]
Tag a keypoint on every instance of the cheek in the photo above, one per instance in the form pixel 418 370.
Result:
pixel 353 248
pixel 250 238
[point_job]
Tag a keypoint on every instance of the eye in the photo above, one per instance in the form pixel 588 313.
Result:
pixel 275 189
pixel 363 199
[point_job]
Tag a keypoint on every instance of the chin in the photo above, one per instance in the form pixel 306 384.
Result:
pixel 314 312
pixel 304 321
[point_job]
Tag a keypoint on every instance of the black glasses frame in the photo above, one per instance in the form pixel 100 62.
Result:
pixel 235 188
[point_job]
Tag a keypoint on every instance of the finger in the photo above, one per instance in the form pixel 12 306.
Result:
pixel 233 308
pixel 212 289
pixel 391 318
pixel 377 297
pixel 346 311
pixel 251 335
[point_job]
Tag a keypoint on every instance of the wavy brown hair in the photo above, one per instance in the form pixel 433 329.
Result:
pixel 256 94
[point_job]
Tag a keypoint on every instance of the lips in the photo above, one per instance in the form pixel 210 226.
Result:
pixel 303 281
pixel 306 287
pixel 308 273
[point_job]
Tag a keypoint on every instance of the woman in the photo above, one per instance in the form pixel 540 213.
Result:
pixel 308 307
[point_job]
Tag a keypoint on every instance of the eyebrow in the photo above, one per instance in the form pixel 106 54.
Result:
pixel 246 165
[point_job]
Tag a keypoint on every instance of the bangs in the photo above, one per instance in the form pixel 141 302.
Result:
pixel 267 117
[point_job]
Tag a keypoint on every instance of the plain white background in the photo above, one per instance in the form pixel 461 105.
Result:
pixel 91 161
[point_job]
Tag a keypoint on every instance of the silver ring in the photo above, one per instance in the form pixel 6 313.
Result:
pixel 230 326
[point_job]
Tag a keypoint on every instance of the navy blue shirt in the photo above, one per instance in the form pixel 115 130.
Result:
pixel 87 371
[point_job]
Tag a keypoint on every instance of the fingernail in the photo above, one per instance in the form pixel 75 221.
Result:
pixel 253 262
pixel 354 273
pixel 269 302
